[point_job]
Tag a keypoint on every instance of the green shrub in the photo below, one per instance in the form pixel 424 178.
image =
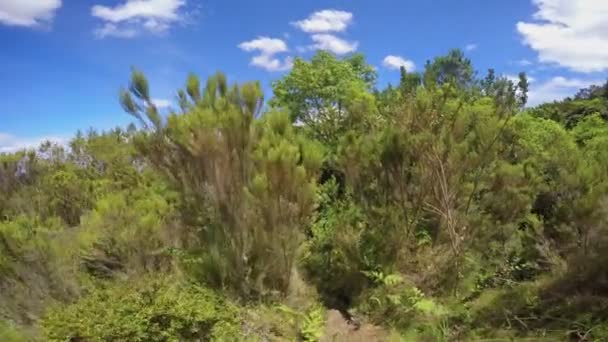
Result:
pixel 334 257
pixel 541 309
pixel 25 238
pixel 146 310
pixel 284 323
pixel 32 272
pixel 126 230
pixel 313 324
pixel 11 333
pixel 398 303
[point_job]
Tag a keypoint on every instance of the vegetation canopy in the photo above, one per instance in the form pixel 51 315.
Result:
pixel 442 208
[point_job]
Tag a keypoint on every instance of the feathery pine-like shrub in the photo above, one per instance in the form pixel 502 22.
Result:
pixel 246 186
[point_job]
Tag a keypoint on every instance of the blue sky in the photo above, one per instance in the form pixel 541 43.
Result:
pixel 63 62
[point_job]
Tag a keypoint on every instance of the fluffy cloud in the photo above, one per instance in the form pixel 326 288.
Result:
pixel 524 62
pixel 127 20
pixel 268 48
pixel 320 25
pixel 333 44
pixel 27 12
pixel 470 47
pixel 111 30
pixel 570 33
pixel 396 62
pixel 11 143
pixel 265 45
pixel 515 78
pixel 557 88
pixel 161 103
pixel 325 21
pixel 271 63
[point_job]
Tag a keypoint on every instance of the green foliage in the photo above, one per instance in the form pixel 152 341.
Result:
pixel 246 188
pixel 278 322
pixel 127 231
pixel 396 302
pixel 328 95
pixel 31 272
pixel 150 309
pixel 438 208
pixel 20 238
pixel 535 309
pixel 68 195
pixel 571 111
pixel 10 333
pixel 336 254
pixel 589 128
pixel 408 83
pixel 313 324
pixel 453 68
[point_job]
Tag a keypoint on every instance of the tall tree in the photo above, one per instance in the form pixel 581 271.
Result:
pixel 453 68
pixel 328 95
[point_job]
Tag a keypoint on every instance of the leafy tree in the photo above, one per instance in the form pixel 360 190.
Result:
pixel 453 68
pixel 328 95
pixel 571 111
pixel 408 82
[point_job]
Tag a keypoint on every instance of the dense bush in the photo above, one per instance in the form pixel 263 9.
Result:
pixel 10 333
pixel 127 232
pixel 247 186
pixel 32 273
pixel 149 309
pixel 335 255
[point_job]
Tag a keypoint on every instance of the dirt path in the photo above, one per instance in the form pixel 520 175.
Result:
pixel 337 329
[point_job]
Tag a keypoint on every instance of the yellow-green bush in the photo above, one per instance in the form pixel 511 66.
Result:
pixel 398 303
pixel 11 333
pixel 279 322
pixel 150 309
pixel 126 229
pixel 32 273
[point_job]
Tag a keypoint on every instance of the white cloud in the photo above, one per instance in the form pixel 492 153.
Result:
pixel 328 20
pixel 268 48
pixel 524 62
pixel 111 30
pixel 333 44
pixel 154 25
pixel 127 20
pixel 271 63
pixel 27 12
pixel 11 143
pixel 161 103
pixel 265 45
pixel 471 47
pixel 557 88
pixel 320 24
pixel 515 78
pixel 396 62
pixel 160 9
pixel 570 33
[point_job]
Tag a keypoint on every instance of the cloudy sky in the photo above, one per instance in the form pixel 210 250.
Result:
pixel 62 62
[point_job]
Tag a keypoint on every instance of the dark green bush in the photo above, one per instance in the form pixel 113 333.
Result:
pixel 333 258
